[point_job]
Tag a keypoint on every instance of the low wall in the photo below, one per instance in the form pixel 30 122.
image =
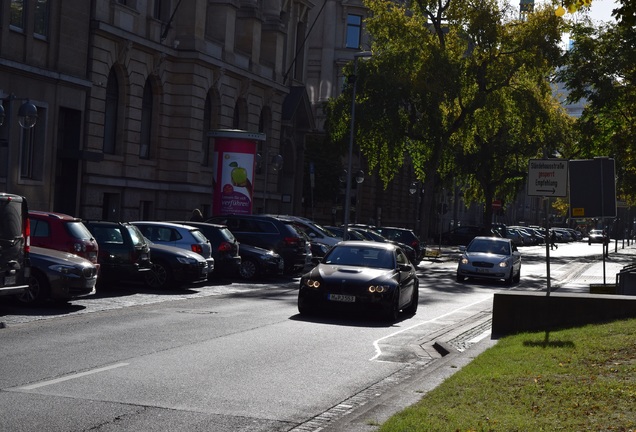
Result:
pixel 515 312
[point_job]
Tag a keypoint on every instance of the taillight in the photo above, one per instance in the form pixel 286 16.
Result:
pixel 225 247
pixel 292 241
pixel 197 248
pixel 27 235
pixel 414 244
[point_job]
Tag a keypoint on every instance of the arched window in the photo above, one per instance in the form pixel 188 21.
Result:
pixel 146 121
pixel 111 114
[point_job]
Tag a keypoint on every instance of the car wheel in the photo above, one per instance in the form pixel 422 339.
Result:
pixel 248 269
pixel 517 278
pixel 393 309
pixel 159 276
pixel 460 278
pixel 510 279
pixel 304 306
pixel 38 290
pixel 411 309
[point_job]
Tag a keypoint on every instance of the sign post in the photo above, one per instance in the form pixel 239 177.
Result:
pixel 547 178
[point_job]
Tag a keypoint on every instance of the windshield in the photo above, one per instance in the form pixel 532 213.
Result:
pixel 135 235
pixel 360 257
pixel 489 246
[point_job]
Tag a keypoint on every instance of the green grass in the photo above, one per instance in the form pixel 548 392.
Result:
pixel 579 379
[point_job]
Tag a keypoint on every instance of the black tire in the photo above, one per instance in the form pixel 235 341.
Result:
pixel 460 278
pixel 411 309
pixel 304 306
pixel 511 279
pixel 38 291
pixel 517 278
pixel 393 309
pixel 159 276
pixel 248 269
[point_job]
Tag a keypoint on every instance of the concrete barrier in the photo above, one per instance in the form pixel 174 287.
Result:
pixel 516 312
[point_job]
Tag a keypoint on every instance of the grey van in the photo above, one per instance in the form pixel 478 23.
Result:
pixel 14 244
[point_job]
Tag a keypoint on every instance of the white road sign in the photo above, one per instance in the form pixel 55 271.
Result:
pixel 548 177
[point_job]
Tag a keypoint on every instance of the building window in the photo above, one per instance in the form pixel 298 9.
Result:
pixel 17 15
pixel 354 31
pixel 41 18
pixel 111 114
pixel 146 122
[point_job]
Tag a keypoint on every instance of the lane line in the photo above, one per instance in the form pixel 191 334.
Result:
pixel 376 343
pixel 70 377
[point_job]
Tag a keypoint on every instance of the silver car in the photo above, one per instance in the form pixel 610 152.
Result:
pixel 178 235
pixel 490 258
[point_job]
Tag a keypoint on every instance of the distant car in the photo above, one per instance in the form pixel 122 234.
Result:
pixel 63 232
pixel 258 262
pixel 489 258
pixel 597 236
pixel 58 275
pixel 124 254
pixel 173 267
pixel 515 236
pixel 339 232
pixel 178 235
pixel 225 247
pixel 362 274
pixel 406 236
pixel 317 233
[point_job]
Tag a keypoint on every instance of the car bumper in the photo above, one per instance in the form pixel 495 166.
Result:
pixel 484 273
pixel 71 286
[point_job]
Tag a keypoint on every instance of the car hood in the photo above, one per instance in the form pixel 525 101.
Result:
pixel 328 272
pixel 485 256
pixel 52 256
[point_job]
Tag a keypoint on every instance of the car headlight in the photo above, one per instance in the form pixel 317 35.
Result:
pixel 503 264
pixel 378 288
pixel 185 260
pixel 464 260
pixel 312 283
pixel 65 270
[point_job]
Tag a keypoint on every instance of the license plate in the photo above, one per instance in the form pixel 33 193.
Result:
pixel 481 270
pixel 342 298
pixel 9 280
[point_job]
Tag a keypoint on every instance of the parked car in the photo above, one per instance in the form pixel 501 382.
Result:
pixel 317 233
pixel 373 235
pixel 462 235
pixel 515 236
pixel 124 253
pixel 178 235
pixel 173 267
pixel 225 247
pixel 58 276
pixel 490 258
pixel 339 232
pixel 62 232
pixel 258 262
pixel 406 236
pixel 362 274
pixel 14 244
pixel 597 236
pixel 269 233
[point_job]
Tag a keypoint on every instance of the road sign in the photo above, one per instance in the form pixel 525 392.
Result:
pixel 548 177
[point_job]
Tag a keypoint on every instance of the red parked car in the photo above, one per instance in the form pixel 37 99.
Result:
pixel 64 233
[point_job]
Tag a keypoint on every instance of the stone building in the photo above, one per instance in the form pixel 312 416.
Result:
pixel 127 91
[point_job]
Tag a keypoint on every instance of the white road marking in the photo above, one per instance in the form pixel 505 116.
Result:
pixel 376 344
pixel 70 377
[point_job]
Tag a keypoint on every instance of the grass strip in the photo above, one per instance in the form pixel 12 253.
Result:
pixel 578 379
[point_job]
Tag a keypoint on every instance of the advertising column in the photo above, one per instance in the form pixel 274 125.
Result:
pixel 233 161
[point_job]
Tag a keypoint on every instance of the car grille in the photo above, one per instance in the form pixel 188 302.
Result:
pixel 483 264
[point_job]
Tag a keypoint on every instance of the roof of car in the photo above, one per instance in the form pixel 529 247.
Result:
pixel 60 216
pixel 166 224
pixel 368 243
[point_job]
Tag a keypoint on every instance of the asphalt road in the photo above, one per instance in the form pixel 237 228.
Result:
pixel 238 357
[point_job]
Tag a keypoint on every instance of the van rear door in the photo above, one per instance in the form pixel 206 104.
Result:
pixel 14 244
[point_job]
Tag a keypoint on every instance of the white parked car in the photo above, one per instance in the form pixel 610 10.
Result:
pixel 490 258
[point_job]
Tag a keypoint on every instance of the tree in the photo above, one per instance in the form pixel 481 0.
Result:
pixel 435 64
pixel 600 69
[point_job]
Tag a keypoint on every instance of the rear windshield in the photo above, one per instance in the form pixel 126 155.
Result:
pixel 198 236
pixel 10 220
pixel 227 235
pixel 135 236
pixel 78 230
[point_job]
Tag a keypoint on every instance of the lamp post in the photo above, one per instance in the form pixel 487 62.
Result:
pixel 356 56
pixel 27 114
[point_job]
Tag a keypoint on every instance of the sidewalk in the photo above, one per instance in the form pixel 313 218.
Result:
pixel 593 274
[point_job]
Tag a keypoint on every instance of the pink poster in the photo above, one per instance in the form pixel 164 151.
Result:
pixel 234 162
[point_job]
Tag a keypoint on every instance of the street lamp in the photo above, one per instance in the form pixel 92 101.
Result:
pixel 27 114
pixel 356 56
